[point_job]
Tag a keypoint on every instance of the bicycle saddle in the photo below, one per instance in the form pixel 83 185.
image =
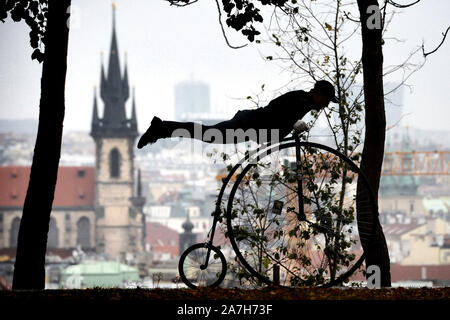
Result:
pixel 300 126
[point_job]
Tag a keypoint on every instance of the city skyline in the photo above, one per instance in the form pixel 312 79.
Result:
pixel 158 208
pixel 175 43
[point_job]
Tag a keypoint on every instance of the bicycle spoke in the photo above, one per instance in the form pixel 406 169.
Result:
pixel 316 249
pixel 192 272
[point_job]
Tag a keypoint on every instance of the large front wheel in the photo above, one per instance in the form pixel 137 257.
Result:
pixel 202 265
pixel 300 218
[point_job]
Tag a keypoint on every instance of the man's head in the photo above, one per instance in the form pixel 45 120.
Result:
pixel 322 94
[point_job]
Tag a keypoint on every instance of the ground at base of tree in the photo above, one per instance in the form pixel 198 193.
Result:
pixel 232 304
pixel 141 294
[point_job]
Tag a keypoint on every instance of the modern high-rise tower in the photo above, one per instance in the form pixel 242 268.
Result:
pixel 191 99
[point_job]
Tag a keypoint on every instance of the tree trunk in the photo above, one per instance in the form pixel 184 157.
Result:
pixel 29 269
pixel 375 127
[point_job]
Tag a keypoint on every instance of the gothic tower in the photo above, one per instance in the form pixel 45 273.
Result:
pixel 119 228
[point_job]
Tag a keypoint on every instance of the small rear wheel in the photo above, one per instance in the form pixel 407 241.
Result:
pixel 196 272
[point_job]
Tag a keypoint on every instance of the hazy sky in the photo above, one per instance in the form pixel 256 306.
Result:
pixel 167 45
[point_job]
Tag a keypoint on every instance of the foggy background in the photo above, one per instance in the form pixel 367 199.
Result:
pixel 167 45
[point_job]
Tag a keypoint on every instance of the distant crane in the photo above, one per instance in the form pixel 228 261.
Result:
pixel 399 163
pixel 416 163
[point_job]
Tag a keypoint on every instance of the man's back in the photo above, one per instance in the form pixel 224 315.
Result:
pixel 283 111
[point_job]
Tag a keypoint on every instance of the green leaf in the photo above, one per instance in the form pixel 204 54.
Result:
pixel 38 55
pixel 266 262
pixel 292 256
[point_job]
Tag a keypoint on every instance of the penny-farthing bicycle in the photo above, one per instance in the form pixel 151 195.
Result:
pixel 297 214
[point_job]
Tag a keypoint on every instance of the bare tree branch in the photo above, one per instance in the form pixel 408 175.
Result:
pixel 184 3
pixel 181 3
pixel 347 15
pixel 223 30
pixel 425 54
pixel 397 5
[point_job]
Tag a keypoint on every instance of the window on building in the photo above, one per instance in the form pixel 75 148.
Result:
pixel 446 256
pixel 14 233
pixel 84 233
pixel 132 241
pixel 100 247
pixel 67 222
pixel 81 173
pixel 405 247
pixel 1 222
pixel 52 241
pixel 114 163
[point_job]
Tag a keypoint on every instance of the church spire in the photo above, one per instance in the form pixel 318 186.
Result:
pixel 114 74
pixel 95 119
pixel 125 85
pixel 133 111
pixel 114 92
pixel 103 87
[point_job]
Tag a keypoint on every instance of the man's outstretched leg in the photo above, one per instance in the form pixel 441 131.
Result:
pixel 166 129
pixel 153 133
pixel 238 129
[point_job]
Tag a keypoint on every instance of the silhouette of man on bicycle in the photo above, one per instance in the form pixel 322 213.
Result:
pixel 279 116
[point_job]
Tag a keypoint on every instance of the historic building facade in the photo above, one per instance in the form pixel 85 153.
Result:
pixel 98 208
pixel 72 220
pixel 118 211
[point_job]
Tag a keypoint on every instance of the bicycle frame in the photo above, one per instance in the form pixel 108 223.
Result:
pixel 225 181
pixel 301 214
pixel 259 153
